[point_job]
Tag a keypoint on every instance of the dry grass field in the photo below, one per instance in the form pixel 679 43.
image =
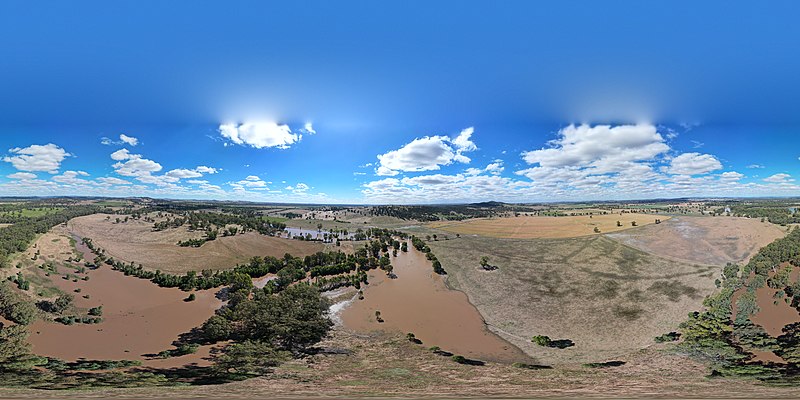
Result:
pixel 136 241
pixel 609 298
pixel 358 366
pixel 707 240
pixel 536 227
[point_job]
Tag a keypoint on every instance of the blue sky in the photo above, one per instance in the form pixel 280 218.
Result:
pixel 399 102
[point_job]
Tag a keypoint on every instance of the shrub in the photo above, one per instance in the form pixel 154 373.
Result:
pixel 460 359
pixel 541 340
pixel 412 338
pixel 668 337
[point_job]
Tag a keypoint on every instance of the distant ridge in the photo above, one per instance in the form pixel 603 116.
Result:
pixel 489 204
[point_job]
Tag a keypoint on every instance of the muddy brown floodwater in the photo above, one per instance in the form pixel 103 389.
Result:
pixel 418 301
pixel 770 316
pixel 139 318
pixel 773 317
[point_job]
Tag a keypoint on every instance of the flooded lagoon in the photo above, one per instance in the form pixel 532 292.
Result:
pixel 139 318
pixel 291 232
pixel 772 315
pixel 419 302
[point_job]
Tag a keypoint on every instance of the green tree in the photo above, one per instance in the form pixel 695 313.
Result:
pixel 22 312
pixel 15 351
pixel 62 302
pixel 217 329
pixel 248 358
pixel 294 319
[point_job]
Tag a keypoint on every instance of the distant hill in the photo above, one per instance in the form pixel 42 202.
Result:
pixel 489 204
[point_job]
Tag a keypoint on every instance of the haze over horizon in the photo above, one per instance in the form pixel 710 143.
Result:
pixel 333 103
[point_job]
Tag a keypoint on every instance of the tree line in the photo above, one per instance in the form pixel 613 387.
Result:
pixel 420 245
pixel 288 269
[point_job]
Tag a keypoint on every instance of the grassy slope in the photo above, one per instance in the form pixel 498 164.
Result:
pixel 610 299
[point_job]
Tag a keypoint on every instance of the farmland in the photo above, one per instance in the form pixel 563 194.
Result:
pixel 136 241
pixel 544 227
pixel 599 298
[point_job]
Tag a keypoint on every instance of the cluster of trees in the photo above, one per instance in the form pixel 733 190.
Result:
pixel 289 269
pixel 57 306
pixel 15 350
pixel 213 221
pixel 265 328
pixel 192 242
pixel 435 213
pixel 780 214
pixel 713 335
pixel 74 319
pixel 325 283
pixel 420 245
pixel 18 237
pixel 14 307
pixel 359 234
pixel 12 213
pixel 21 281
pixel 168 223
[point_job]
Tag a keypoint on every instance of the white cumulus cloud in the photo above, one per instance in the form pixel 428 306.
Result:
pixel 779 178
pixel 427 154
pixel 694 164
pixel 128 139
pixel 260 134
pixel 22 175
pixel 34 158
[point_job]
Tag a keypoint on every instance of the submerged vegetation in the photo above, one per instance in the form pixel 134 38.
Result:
pixel 727 342
pixel 420 245
pixel 329 270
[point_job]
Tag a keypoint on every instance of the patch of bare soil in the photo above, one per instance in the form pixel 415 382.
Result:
pixel 706 240
pixel 540 227
pixel 136 241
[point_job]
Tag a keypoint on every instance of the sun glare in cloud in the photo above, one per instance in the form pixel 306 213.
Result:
pixel 263 134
